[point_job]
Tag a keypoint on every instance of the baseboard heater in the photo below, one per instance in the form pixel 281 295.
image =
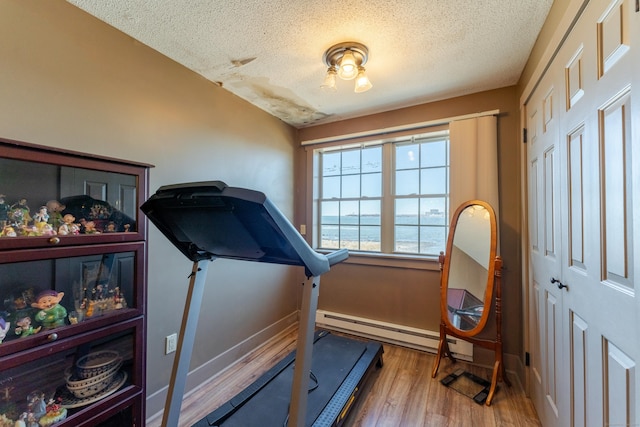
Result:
pixel 419 339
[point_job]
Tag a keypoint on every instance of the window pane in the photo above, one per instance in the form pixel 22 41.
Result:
pixel 351 162
pixel 372 159
pixel 350 186
pixel 329 237
pixel 406 239
pixel 370 212
pixel 433 240
pixel 331 163
pixel 349 237
pixel 433 154
pixel 433 181
pixel 330 212
pixel 349 212
pixel 434 211
pixel 407 182
pixel 407 212
pixel 331 187
pixel 407 156
pixel 370 238
pixel 372 185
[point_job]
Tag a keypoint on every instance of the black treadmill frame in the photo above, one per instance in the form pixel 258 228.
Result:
pixel 265 222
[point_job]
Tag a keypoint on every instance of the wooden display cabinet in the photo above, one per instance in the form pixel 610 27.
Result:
pixel 72 288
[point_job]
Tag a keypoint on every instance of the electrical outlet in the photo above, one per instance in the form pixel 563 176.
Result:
pixel 303 229
pixel 171 343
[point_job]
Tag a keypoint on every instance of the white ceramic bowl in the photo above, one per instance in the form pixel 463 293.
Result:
pixel 96 363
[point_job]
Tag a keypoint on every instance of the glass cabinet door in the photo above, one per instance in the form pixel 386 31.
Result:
pixel 51 199
pixel 43 300
pixel 72 382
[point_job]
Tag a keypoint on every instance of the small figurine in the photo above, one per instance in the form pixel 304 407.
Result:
pixel 51 313
pixel 20 212
pixel 4 328
pixel 45 229
pixel 68 227
pixel 37 404
pixel 4 211
pixel 118 299
pixel 54 209
pixel 42 215
pixel 31 420
pixel 55 413
pixel 90 228
pixel 8 231
pixel 21 421
pixel 24 328
pixel 30 231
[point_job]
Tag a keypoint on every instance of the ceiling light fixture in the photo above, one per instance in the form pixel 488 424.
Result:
pixel 346 60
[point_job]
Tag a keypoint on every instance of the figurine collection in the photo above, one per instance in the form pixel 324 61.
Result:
pixel 80 215
pixel 27 310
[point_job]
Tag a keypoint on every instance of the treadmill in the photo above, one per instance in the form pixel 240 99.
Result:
pixel 316 384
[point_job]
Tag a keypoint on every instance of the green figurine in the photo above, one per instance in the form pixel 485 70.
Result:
pixel 51 313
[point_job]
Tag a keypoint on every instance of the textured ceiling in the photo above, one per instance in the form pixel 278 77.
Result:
pixel 270 52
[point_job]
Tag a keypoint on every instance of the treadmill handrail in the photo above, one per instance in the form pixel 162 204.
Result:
pixel 338 256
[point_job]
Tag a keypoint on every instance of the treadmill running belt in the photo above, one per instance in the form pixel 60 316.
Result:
pixel 332 360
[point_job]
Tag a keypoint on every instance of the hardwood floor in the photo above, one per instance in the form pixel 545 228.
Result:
pixel 401 393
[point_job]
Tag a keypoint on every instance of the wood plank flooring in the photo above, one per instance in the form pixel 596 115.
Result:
pixel 401 393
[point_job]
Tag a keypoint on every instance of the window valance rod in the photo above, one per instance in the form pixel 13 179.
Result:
pixel 388 131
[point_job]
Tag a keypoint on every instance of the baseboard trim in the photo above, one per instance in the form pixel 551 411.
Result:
pixel 406 336
pixel 216 366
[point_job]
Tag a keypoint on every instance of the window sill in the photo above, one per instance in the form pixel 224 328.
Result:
pixel 391 260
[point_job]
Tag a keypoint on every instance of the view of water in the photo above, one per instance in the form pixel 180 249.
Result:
pixel 366 236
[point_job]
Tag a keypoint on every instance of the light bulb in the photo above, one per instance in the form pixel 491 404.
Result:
pixel 348 66
pixel 329 84
pixel 362 81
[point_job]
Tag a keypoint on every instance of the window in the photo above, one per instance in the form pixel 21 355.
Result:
pixel 384 197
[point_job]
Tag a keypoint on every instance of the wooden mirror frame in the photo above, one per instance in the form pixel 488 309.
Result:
pixel 445 269
pixel 494 269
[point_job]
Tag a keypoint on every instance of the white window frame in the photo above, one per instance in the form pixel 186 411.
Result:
pixel 388 197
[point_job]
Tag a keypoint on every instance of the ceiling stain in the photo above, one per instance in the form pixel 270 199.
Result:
pixel 240 62
pixel 279 101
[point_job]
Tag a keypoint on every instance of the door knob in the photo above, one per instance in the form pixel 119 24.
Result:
pixel 558 283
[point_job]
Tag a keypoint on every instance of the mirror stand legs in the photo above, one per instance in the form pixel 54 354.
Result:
pixel 443 351
pixel 499 374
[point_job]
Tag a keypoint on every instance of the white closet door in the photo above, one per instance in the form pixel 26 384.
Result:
pixel 587 331
pixel 545 256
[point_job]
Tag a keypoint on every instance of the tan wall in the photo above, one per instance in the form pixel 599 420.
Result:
pixel 410 296
pixel 553 20
pixel 68 80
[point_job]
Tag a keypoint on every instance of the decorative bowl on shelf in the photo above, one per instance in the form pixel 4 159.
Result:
pixel 96 363
pixel 86 387
pixel 91 389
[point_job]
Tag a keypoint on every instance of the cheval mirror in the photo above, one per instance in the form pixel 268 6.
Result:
pixel 470 285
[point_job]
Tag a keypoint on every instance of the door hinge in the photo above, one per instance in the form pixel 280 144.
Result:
pixel 526 359
pixel 524 131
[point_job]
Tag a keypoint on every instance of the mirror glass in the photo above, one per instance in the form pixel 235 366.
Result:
pixel 471 249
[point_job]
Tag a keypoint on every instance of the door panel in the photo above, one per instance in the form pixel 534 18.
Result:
pixel 579 338
pixel 588 151
pixel 544 220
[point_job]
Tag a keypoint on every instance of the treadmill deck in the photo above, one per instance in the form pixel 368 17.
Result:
pixel 339 367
